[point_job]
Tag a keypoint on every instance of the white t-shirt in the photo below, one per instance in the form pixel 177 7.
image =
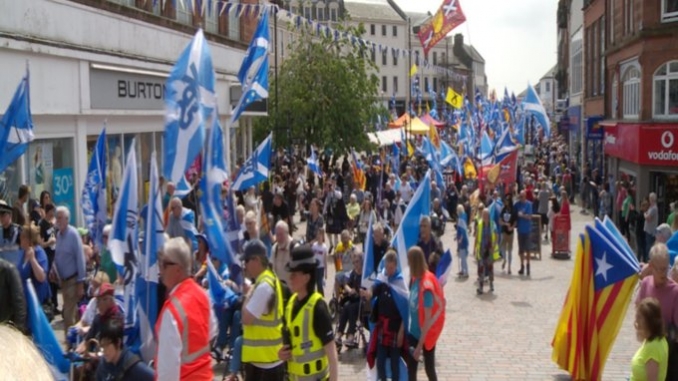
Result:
pixel 320 251
pixel 405 192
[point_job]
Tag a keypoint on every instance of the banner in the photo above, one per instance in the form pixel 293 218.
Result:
pixel 448 17
pixel 63 188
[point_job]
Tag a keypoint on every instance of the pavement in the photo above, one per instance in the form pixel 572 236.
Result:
pixel 506 335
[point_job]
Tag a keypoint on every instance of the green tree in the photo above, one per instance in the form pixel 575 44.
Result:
pixel 328 94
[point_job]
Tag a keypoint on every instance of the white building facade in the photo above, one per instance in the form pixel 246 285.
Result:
pixel 90 67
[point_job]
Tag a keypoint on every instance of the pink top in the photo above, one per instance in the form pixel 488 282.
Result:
pixel 666 295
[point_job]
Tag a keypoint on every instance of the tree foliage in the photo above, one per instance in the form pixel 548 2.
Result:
pixel 327 94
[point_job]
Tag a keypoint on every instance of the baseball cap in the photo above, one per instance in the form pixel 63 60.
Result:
pixel 105 289
pixel 254 248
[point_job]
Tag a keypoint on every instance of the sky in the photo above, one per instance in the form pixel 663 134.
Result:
pixel 517 38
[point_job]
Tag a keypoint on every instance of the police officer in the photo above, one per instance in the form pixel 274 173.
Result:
pixel 262 315
pixel 9 240
pixel 310 352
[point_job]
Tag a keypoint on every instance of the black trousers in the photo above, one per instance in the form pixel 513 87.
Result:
pixel 429 362
pixel 252 373
pixel 672 371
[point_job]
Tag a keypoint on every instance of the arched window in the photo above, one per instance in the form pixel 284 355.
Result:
pixel 631 92
pixel 614 97
pixel 665 94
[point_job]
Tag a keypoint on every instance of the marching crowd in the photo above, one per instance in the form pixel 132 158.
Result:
pixel 279 321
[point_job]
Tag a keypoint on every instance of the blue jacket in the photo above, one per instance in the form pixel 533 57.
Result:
pixel 139 371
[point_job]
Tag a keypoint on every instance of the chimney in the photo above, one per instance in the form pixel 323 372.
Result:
pixel 458 40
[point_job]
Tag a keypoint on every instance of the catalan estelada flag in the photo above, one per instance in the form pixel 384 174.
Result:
pixel 358 173
pixel 603 281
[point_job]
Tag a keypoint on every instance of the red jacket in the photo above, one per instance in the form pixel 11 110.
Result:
pixel 428 282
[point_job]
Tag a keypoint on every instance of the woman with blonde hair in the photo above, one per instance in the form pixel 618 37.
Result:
pixel 427 315
pixel 34 264
pixel 652 358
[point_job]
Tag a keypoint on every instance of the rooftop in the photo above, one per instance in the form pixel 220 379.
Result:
pixel 371 10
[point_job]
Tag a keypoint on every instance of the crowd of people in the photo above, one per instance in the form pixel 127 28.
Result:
pixel 279 322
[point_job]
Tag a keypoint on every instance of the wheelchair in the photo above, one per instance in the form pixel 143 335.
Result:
pixel 361 339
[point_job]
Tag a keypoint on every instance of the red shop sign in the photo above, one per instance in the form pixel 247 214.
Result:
pixel 648 144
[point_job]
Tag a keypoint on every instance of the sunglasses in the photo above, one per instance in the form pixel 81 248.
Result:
pixel 165 264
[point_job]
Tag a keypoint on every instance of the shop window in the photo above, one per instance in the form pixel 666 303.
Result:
pixel 233 26
pixel 631 92
pixel 577 54
pixel 665 91
pixel 51 168
pixel 184 15
pixel 669 10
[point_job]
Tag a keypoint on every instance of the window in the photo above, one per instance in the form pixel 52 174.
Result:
pixel 384 84
pixel 395 85
pixel 666 90
pixel 307 13
pixel 395 31
pixel 435 85
pixel 320 9
pixel 384 57
pixel 628 16
pixel 47 159
pixel 426 88
pixel 383 30
pixel 211 21
pixel 593 67
pixel 631 91
pixel 577 54
pixel 294 10
pixel 374 56
pixel 614 96
pixel 333 14
pixel 233 26
pixel 601 58
pixel 548 87
pixel 435 58
pixel 395 58
pixel 184 15
pixel 372 29
pixel 669 10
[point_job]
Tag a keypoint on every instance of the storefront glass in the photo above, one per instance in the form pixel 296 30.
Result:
pixel 666 187
pixel 50 167
pixel 10 182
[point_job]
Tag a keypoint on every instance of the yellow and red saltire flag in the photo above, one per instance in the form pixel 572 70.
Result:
pixel 358 173
pixel 603 282
pixel 448 17
pixel 433 136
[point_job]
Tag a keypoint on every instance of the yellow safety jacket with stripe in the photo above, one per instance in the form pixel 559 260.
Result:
pixel 309 361
pixel 263 339
pixel 494 241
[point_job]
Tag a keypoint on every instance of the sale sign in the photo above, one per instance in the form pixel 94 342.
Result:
pixel 63 190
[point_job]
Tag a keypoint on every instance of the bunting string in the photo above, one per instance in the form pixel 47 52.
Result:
pixel 320 29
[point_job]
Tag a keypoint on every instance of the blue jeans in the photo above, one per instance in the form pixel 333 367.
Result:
pixel 229 326
pixel 236 356
pixel 649 242
pixel 388 353
pixel 320 280
pixel 463 260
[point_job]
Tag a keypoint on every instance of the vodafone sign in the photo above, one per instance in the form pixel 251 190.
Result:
pixel 648 144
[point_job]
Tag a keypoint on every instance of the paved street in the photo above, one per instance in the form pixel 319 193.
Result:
pixel 507 335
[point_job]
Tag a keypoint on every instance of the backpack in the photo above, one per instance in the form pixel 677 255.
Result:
pixel 129 362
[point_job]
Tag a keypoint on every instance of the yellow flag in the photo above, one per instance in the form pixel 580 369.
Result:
pixel 470 169
pixel 453 98
pixel 414 70
pixel 433 136
pixel 493 174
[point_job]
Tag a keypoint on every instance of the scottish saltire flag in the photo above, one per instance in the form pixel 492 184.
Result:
pixel 145 342
pixel 44 337
pixel 189 100
pixel 432 157
pixel 313 164
pixel 533 106
pixel 221 295
pixel 444 267
pixel 94 191
pixel 504 146
pixel 255 170
pixel 211 204
pixel 407 234
pixel 369 274
pixel 188 224
pixel 16 126
pixel 519 130
pixel 253 74
pixel 448 156
pixel 233 238
pixel 486 150
pixel 124 240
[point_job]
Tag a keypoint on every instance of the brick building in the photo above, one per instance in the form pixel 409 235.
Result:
pixel 631 82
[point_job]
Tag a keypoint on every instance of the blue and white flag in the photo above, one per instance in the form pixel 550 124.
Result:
pixel 313 164
pixel 369 274
pixel 94 192
pixel 147 278
pixel 444 267
pixel 189 100
pixel 486 150
pixel 233 237
pixel 16 126
pixel 124 240
pixel 214 176
pixel 532 105
pixel 44 337
pixel 255 170
pixel 221 295
pixel 504 146
pixel 253 74
pixel 449 157
pixel 407 234
pixel 188 224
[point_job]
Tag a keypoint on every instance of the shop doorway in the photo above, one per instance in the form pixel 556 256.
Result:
pixel 666 186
